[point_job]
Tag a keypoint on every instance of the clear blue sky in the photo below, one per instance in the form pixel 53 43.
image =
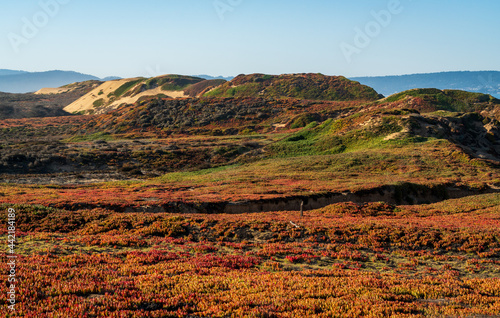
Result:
pixel 152 37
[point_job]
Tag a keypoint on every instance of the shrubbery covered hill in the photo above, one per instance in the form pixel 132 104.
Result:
pixel 110 95
pixel 450 100
pixel 301 86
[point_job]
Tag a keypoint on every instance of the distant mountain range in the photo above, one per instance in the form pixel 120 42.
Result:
pixel 11 72
pixel 25 82
pixel 208 77
pixel 487 82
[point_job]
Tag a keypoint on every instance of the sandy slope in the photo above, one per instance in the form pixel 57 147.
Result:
pixel 50 90
pixel 86 103
pixel 152 92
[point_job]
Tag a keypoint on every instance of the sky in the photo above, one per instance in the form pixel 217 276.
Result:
pixel 129 38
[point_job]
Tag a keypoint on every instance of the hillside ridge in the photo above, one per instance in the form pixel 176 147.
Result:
pixel 113 94
pixel 302 86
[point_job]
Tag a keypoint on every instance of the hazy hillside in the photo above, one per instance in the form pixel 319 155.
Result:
pixel 487 82
pixel 24 82
pixel 301 86
pixel 44 103
pixel 4 72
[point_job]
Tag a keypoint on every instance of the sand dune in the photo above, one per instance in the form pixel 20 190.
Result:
pixel 50 90
pixel 104 93
pixel 86 102
pixel 151 92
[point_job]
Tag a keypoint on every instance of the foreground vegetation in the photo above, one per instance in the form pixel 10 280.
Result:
pixel 246 203
pixel 348 260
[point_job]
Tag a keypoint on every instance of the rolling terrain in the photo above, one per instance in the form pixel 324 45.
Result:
pixel 112 94
pixel 301 86
pixel 297 195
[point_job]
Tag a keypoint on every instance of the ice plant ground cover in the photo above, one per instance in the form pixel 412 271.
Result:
pixel 349 260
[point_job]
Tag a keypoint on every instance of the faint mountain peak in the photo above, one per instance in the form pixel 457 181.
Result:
pixel 209 77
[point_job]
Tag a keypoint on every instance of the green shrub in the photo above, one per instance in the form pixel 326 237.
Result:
pixel 98 103
pixel 304 120
pixel 125 87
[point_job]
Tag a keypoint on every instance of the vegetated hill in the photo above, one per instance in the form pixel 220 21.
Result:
pixel 465 119
pixel 468 121
pixel 301 86
pixel 44 103
pixel 201 88
pixel 26 82
pixel 110 95
pixel 476 135
pixel 113 94
pixel 212 116
pixel 486 82
pixel 276 148
pixel 431 99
